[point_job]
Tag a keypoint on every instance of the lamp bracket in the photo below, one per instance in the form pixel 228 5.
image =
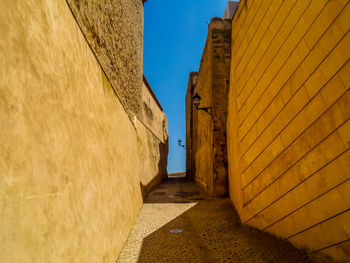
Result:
pixel 208 110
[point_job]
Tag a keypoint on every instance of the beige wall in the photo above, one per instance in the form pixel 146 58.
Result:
pixel 72 163
pixel 288 123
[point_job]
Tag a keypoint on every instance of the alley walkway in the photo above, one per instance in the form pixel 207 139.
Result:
pixel 180 223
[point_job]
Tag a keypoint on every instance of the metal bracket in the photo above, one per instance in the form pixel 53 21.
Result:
pixel 208 110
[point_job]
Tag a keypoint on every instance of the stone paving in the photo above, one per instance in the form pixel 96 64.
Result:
pixel 180 223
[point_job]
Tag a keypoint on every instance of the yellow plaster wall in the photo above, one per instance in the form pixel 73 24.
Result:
pixel 71 161
pixel 288 124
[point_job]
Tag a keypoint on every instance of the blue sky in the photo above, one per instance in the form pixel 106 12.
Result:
pixel 174 38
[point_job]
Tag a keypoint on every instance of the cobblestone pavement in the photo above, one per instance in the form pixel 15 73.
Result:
pixel 180 223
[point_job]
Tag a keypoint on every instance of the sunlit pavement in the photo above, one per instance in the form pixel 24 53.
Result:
pixel 180 223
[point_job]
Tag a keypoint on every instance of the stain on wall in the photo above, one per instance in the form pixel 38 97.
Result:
pixel 288 121
pixel 71 161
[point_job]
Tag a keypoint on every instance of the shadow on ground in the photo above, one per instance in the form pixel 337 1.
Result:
pixel 209 231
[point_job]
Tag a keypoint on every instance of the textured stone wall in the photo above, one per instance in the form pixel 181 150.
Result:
pixel 73 166
pixel 221 48
pixel 114 30
pixel 190 126
pixel 206 135
pixel 288 122
pixel 202 140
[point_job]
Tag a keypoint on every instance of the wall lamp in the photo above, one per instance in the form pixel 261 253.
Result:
pixel 197 100
pixel 180 143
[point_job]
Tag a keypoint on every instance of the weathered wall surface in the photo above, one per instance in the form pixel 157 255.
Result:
pixel 152 130
pixel 190 126
pixel 202 140
pixel 152 115
pixel 288 122
pixel 206 135
pixel 114 30
pixel 154 158
pixel 221 46
pixel 72 163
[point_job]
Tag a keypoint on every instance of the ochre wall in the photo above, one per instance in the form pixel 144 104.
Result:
pixel 153 154
pixel 152 129
pixel 190 125
pixel 221 46
pixel 202 140
pixel 288 121
pixel 152 115
pixel 72 163
pixel 205 134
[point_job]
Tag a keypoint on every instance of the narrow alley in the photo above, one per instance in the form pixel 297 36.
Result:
pixel 174 131
pixel 179 222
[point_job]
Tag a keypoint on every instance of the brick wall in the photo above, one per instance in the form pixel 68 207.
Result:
pixel 288 121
